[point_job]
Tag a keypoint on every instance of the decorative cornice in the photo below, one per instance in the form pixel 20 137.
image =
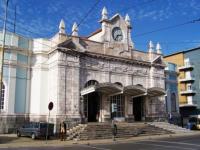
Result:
pixel 107 57
pixel 114 58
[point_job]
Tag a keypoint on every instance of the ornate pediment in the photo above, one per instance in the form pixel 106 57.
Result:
pixel 68 44
pixel 74 43
pixel 158 60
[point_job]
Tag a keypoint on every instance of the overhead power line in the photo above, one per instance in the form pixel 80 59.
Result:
pixel 86 15
pixel 126 9
pixel 91 9
pixel 36 33
pixel 169 27
pixel 165 28
pixel 140 4
pixel 172 43
pixel 22 27
pixel 81 21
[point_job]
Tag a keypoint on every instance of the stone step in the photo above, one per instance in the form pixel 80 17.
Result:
pixel 104 130
pixel 170 127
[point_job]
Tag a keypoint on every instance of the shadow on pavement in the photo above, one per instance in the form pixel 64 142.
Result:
pixel 7 139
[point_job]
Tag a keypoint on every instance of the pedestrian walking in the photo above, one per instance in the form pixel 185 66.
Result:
pixel 62 131
pixel 170 117
pixel 114 129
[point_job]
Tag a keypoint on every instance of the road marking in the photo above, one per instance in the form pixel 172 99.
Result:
pixel 99 148
pixel 158 145
pixel 180 143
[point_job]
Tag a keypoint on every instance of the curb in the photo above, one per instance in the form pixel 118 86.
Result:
pixel 58 143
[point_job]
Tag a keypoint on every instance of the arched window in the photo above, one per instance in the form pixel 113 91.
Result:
pixel 140 85
pixel 91 82
pixel 2 97
pixel 118 83
pixel 173 102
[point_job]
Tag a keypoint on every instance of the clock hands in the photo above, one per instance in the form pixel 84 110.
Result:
pixel 117 38
pixel 117 34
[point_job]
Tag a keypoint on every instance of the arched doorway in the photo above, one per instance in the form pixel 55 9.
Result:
pixel 91 103
pixel 119 84
pixel 138 108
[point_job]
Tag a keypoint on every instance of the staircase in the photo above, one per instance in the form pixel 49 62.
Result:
pixel 96 131
pixel 75 131
pixel 170 127
pixel 104 131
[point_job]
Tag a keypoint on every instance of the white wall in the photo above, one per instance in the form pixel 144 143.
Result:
pixel 39 85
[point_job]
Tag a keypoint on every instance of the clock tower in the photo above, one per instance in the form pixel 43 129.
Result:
pixel 115 33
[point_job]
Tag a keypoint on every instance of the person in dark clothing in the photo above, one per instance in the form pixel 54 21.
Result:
pixel 182 121
pixel 62 131
pixel 170 118
pixel 114 129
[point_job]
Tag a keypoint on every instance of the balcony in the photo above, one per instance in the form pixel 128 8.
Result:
pixel 188 66
pixel 189 103
pixel 187 79
pixel 188 92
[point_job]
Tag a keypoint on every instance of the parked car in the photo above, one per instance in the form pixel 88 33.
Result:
pixel 194 122
pixel 35 130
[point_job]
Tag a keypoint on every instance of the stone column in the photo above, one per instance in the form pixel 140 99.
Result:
pixel 147 106
pixel 130 109
pixel 81 108
pixel 11 82
pixel 106 108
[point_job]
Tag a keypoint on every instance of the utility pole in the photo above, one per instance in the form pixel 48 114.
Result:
pixel 15 18
pixel 2 48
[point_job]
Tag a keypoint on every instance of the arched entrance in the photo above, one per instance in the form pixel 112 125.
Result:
pixel 91 103
pixel 137 92
pixel 92 93
pixel 138 108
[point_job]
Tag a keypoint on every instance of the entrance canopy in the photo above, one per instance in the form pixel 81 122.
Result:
pixel 134 90
pixel 108 88
pixel 155 91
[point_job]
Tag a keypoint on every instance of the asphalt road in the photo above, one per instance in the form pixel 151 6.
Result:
pixel 181 143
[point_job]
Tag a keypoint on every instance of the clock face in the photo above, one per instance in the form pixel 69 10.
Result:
pixel 117 34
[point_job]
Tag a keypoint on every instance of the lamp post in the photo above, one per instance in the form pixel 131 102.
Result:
pixel 2 47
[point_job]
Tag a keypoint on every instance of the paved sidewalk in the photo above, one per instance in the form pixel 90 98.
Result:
pixel 10 140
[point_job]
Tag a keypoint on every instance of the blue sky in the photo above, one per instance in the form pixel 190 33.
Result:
pixel 40 18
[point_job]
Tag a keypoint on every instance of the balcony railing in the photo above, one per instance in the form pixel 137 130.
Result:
pixel 187 92
pixel 188 66
pixel 188 103
pixel 187 79
pixel 191 102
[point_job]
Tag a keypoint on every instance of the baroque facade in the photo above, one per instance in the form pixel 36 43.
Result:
pixel 89 79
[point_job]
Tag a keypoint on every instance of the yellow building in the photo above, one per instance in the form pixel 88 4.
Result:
pixel 187 62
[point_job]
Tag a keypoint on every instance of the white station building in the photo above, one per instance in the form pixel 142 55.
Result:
pixel 88 79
